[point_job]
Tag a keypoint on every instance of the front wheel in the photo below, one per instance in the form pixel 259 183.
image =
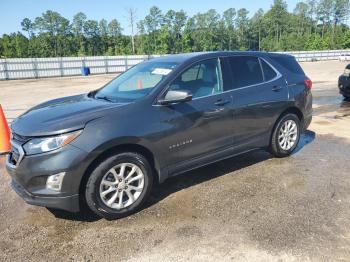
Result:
pixel 285 136
pixel 119 185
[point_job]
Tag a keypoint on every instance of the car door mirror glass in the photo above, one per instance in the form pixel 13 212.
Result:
pixel 176 96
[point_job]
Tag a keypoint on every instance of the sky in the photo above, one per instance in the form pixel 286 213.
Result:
pixel 12 12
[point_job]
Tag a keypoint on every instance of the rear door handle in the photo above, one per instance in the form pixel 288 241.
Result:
pixel 221 102
pixel 276 88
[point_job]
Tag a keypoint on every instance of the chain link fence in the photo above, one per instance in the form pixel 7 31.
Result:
pixel 22 68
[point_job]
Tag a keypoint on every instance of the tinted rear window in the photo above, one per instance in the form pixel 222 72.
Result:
pixel 245 71
pixel 289 63
pixel 269 73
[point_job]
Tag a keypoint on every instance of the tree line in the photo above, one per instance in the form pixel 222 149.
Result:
pixel 313 25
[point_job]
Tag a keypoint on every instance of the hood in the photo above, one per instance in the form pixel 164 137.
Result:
pixel 61 115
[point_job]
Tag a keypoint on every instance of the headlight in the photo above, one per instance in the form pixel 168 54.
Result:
pixel 46 144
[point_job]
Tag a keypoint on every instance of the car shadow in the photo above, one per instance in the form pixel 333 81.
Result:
pixel 218 169
pixel 207 173
pixel 85 215
pixel 192 178
pixel 306 138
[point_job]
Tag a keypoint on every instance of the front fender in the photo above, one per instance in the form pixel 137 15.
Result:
pixel 102 135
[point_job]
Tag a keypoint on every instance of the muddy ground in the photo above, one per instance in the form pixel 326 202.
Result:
pixel 248 208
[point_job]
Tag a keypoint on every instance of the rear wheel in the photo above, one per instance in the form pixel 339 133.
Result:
pixel 119 185
pixel 285 136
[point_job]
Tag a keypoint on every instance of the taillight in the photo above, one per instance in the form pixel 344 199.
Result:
pixel 308 83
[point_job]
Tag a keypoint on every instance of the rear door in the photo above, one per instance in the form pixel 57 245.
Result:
pixel 259 93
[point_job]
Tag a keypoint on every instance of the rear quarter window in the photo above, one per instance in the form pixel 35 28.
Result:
pixel 289 63
pixel 269 73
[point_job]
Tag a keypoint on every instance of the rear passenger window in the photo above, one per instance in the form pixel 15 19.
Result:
pixel 269 73
pixel 245 70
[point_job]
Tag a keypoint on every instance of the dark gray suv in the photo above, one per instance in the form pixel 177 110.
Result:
pixel 161 118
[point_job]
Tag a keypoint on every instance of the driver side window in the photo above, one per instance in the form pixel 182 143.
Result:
pixel 202 79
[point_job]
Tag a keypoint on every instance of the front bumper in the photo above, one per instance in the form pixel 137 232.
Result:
pixel 29 177
pixel 69 203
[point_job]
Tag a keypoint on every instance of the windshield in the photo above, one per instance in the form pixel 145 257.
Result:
pixel 135 83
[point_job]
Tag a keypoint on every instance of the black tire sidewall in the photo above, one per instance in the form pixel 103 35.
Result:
pixel 275 146
pixel 92 193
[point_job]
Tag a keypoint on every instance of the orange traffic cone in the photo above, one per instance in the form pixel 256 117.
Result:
pixel 4 134
pixel 139 84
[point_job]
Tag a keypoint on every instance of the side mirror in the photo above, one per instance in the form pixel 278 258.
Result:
pixel 175 96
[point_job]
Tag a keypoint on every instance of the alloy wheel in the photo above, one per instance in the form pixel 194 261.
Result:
pixel 122 185
pixel 287 135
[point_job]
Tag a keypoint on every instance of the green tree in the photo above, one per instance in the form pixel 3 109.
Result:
pixel 114 31
pixel 78 29
pixel 277 21
pixel 346 40
pixel 313 24
pixel 257 29
pixel 301 10
pixel 92 34
pixel 228 18
pixel 312 14
pixel 152 23
pixel 27 26
pixel 103 29
pixel 324 13
pixel 242 24
pixel 56 26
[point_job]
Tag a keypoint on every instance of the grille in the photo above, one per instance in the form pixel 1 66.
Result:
pixel 14 157
pixel 17 152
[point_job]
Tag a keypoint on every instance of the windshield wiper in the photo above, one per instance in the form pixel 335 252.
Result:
pixel 106 98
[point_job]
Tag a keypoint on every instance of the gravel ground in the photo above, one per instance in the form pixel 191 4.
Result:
pixel 248 208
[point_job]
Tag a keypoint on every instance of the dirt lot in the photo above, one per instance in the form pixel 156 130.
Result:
pixel 252 207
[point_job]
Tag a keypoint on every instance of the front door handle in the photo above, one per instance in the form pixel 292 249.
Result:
pixel 221 102
pixel 276 88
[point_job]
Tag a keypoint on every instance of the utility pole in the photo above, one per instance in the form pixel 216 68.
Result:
pixel 131 20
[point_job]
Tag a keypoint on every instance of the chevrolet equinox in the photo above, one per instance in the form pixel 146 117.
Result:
pixel 160 118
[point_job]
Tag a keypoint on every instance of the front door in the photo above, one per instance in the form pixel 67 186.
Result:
pixel 201 126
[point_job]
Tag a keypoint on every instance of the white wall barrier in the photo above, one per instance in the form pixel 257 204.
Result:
pixel 21 68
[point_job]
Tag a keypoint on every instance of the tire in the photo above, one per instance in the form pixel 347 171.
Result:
pixel 103 179
pixel 346 98
pixel 283 149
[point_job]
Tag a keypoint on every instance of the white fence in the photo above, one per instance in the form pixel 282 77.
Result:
pixel 304 56
pixel 20 68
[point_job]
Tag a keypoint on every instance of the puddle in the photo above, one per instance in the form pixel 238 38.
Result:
pixel 341 116
pixel 336 105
